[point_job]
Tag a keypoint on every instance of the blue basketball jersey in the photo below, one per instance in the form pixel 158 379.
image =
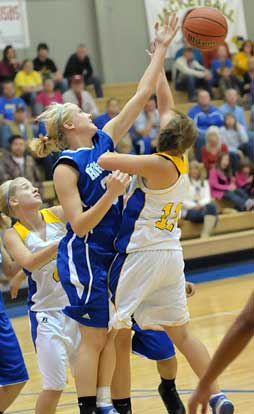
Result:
pixel 1 296
pixel 92 186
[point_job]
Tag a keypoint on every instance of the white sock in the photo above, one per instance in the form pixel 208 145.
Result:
pixel 103 397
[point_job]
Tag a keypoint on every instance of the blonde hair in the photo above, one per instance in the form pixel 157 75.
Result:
pixel 7 190
pixel 201 169
pixel 213 130
pixel 55 116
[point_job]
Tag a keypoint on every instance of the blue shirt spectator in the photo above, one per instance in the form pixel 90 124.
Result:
pixel 230 105
pixel 9 102
pixel 204 114
pixel 218 64
pixel 112 110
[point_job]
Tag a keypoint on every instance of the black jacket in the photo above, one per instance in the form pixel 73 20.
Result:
pixel 75 66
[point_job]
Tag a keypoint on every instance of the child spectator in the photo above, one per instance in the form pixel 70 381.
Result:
pixel 248 85
pixel 113 109
pixel 125 145
pixel 222 69
pixel 28 82
pixel 47 96
pixel 244 176
pixel 223 186
pixel 198 208
pixel 9 66
pixel 241 59
pixel 213 147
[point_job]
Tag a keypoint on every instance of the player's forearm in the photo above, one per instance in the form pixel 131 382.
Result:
pixel 165 98
pixel 236 339
pixel 35 261
pixel 89 219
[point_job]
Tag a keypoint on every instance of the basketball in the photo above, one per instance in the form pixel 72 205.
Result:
pixel 205 28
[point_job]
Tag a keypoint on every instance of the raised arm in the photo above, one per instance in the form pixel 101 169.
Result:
pixel 119 125
pixel 165 100
pixel 236 339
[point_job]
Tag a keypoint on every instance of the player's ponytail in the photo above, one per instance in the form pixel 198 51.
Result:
pixel 51 131
pixel 5 193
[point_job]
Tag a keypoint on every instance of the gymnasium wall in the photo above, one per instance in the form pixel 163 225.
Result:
pixel 115 32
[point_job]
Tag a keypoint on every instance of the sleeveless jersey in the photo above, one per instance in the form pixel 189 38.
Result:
pixel 1 296
pixel 150 217
pixel 91 186
pixel 45 291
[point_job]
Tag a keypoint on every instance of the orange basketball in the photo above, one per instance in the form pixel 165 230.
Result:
pixel 205 28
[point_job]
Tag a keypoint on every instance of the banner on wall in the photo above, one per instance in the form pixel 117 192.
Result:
pixel 232 9
pixel 13 24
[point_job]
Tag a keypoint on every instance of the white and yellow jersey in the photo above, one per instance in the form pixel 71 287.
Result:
pixel 150 217
pixel 45 291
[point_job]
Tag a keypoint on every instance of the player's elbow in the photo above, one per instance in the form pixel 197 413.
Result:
pixel 78 228
pixel 105 161
pixel 30 265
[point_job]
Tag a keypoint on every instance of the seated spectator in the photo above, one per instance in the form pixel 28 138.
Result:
pixel 235 137
pixel 19 126
pixel 79 64
pixel 222 71
pixel 125 145
pixel 77 95
pixel 241 59
pixel 204 115
pixel 251 125
pixel 8 102
pixel 47 96
pixel 146 128
pixel 198 207
pixel 112 110
pixel 19 164
pixel 28 82
pixel 248 85
pixel 196 52
pixel 230 105
pixel 213 148
pixel 47 67
pixel 209 55
pixel 9 66
pixel 223 187
pixel 190 75
pixel 244 176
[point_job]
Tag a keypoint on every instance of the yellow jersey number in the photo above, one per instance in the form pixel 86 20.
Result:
pixel 166 222
pixel 56 276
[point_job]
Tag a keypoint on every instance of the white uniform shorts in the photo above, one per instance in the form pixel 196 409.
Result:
pixel 56 339
pixel 149 286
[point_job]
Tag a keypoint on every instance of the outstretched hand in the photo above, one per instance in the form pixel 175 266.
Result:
pixel 167 32
pixel 200 397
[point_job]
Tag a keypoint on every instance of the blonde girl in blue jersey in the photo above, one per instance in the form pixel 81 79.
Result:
pixel 33 242
pixel 93 214
pixel 147 276
pixel 13 373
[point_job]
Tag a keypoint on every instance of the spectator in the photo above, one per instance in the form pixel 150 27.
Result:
pixel 230 105
pixel 125 145
pixel 204 115
pixel 223 186
pixel 28 82
pixel 209 55
pixel 47 96
pixel 79 64
pixel 248 85
pixel 8 102
pixel 78 96
pixel 146 128
pixel 213 148
pixel 222 69
pixel 241 59
pixel 235 137
pixel 251 124
pixel 19 126
pixel 9 65
pixel 112 110
pixel 198 207
pixel 47 67
pixel 196 52
pixel 190 75
pixel 244 176
pixel 19 164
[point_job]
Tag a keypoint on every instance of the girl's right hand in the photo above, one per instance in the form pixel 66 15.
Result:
pixel 167 33
pixel 117 183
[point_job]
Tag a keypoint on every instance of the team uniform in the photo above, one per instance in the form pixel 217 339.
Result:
pixel 83 262
pixel 12 365
pixel 55 336
pixel 149 265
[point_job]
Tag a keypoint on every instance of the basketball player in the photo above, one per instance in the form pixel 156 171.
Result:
pixel 149 240
pixel 33 242
pixel 13 373
pixel 235 340
pixel 153 345
pixel 91 203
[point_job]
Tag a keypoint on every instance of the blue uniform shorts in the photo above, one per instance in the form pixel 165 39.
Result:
pixel 12 365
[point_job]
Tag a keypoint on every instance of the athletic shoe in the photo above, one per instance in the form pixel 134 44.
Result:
pixel 221 405
pixel 109 409
pixel 172 400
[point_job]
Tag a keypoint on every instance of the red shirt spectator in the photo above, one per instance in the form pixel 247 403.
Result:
pixel 9 65
pixel 209 55
pixel 47 96
pixel 213 148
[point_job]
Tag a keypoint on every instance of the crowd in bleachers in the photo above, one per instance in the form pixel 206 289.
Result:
pixel 222 160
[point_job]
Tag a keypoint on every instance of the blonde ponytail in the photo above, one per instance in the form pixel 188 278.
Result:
pixel 5 192
pixel 54 117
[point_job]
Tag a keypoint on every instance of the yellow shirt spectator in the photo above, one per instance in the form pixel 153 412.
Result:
pixel 241 59
pixel 27 79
